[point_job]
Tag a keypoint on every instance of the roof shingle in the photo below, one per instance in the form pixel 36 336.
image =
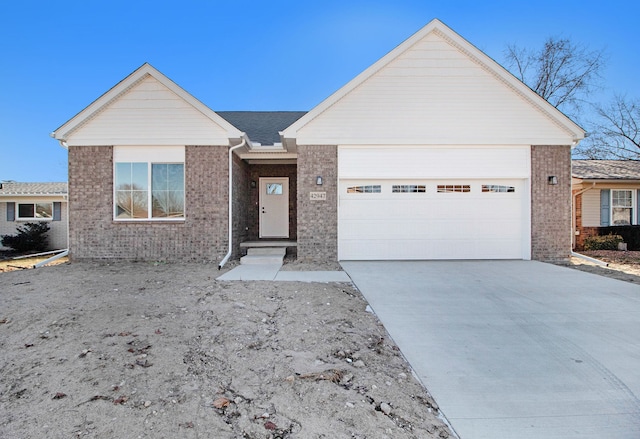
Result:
pixel 606 169
pixel 262 126
pixel 15 188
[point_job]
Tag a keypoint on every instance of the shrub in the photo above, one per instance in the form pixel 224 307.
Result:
pixel 604 242
pixel 30 236
pixel 630 234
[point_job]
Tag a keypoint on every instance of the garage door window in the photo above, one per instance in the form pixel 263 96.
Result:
pixel 451 188
pixel 497 188
pixel 408 188
pixel 368 189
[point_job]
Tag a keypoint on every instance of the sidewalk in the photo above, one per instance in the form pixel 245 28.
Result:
pixel 272 272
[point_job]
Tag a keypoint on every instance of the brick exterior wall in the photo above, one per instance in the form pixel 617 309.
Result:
pixel 253 214
pixel 94 234
pixel 550 204
pixel 317 220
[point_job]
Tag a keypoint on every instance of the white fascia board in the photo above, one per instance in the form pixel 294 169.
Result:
pixel 399 141
pixel 146 69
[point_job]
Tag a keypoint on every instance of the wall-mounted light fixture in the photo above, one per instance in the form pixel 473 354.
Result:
pixel 552 180
pixel 319 180
pixel 253 184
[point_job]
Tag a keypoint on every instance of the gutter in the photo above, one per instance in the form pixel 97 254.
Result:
pixel 228 255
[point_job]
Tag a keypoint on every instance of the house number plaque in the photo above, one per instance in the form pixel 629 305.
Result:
pixel 317 196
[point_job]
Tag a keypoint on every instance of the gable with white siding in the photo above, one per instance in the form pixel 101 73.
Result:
pixel 147 108
pixel 435 88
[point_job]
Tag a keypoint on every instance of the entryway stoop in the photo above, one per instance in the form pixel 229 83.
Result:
pixel 264 255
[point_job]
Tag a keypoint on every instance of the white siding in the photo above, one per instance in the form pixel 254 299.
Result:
pixel 394 161
pixel 149 114
pixel 591 208
pixel 433 93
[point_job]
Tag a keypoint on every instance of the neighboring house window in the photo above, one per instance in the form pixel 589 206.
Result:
pixel 149 190
pixel 35 211
pixel 621 207
pixel 149 183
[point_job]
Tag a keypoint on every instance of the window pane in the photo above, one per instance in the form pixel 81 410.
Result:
pixel 123 176
pixel 139 204
pixel 159 177
pixel 449 188
pixel 123 204
pixel 168 204
pixel 139 172
pixel 621 216
pixel 175 175
pixel 400 188
pixel 131 190
pixel 167 190
pixel 368 189
pixel 274 189
pixel 44 210
pixel 131 204
pixel 497 188
pixel 622 198
pixel 26 211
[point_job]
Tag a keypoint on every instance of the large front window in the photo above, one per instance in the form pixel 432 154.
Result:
pixel 146 190
pixel 621 207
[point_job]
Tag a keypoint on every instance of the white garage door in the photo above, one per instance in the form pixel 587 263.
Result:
pixel 446 219
pixel 484 216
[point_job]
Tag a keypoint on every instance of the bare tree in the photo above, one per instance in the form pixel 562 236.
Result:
pixel 561 72
pixel 616 131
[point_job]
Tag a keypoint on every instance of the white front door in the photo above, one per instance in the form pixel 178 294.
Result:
pixel 274 207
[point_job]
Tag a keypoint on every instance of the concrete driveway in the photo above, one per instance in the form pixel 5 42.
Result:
pixel 515 349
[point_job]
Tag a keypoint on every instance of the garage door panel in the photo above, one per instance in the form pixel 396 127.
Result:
pixel 431 224
pixel 411 249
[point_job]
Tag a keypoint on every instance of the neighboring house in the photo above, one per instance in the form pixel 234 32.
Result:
pixel 433 152
pixel 605 193
pixel 22 203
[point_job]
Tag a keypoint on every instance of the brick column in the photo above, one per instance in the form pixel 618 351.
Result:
pixel 550 204
pixel 317 219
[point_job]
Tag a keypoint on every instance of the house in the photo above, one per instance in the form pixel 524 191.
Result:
pixel 22 203
pixel 433 152
pixel 605 193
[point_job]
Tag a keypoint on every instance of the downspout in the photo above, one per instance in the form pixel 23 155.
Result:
pixel 573 213
pixel 65 146
pixel 228 255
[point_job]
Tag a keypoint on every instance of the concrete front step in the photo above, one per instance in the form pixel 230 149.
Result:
pixel 267 251
pixel 264 255
pixel 261 260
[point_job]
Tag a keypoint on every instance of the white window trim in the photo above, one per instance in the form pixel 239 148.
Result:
pixel 151 155
pixel 634 215
pixel 29 219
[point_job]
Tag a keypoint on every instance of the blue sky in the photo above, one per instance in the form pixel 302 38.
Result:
pixel 59 56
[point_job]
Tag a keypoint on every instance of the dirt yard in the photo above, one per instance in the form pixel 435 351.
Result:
pixel 622 265
pixel 164 351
